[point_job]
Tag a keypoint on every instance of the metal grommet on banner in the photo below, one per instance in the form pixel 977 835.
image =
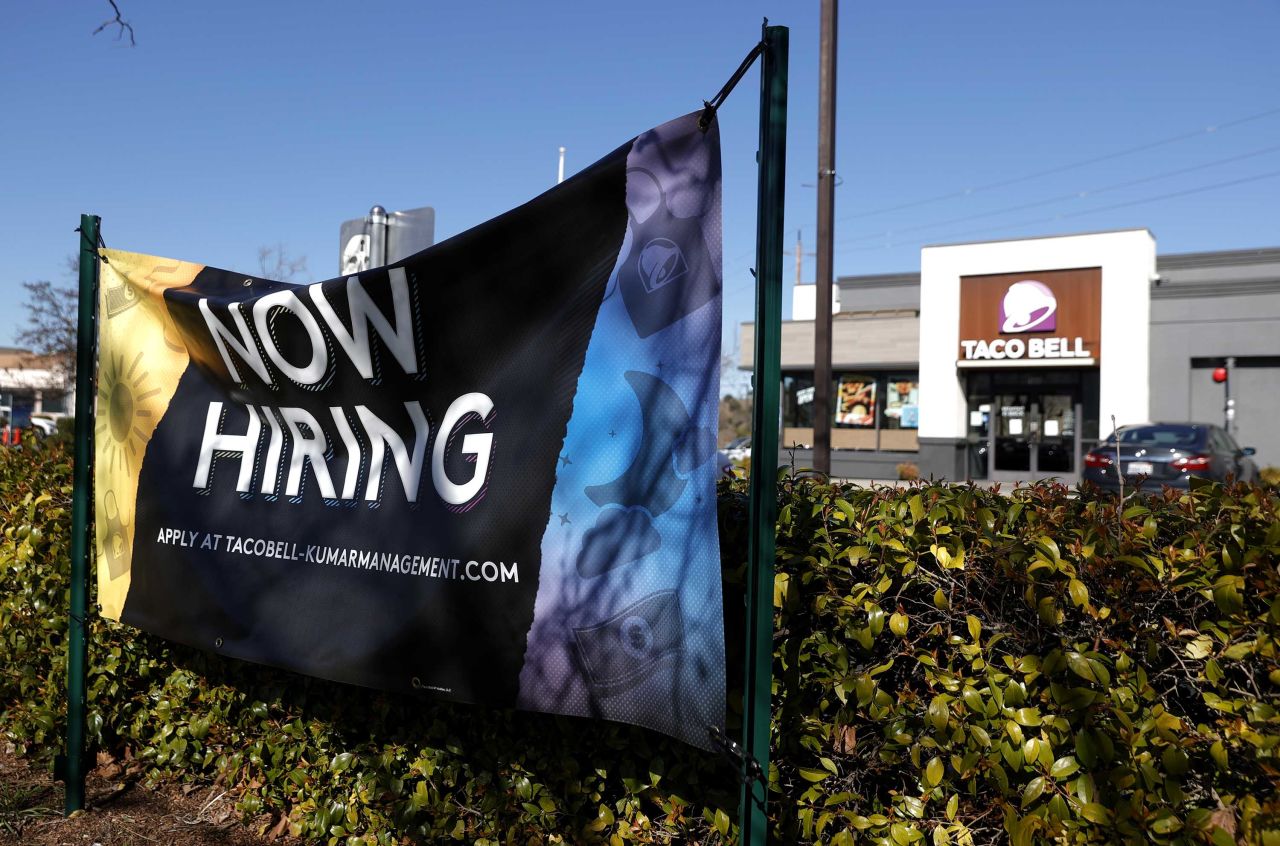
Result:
pixel 708 115
pixel 417 683
pixel 248 283
pixel 217 643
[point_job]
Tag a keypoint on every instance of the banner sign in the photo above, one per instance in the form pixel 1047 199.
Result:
pixel 486 471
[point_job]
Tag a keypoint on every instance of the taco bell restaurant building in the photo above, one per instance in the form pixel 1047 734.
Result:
pixel 1008 360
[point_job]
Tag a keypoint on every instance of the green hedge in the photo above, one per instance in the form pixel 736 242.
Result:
pixel 952 666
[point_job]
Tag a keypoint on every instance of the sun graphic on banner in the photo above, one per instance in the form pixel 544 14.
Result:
pixel 140 362
pixel 120 393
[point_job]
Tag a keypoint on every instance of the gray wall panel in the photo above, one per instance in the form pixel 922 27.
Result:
pixel 856 342
pixel 1217 326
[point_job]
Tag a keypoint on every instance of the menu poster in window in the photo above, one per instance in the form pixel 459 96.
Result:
pixel 856 402
pixel 902 405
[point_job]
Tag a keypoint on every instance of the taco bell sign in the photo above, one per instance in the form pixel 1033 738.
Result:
pixel 1045 317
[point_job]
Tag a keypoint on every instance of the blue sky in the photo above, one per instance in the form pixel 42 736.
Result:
pixel 234 124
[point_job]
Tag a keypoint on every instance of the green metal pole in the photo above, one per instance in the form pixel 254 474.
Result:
pixel 763 500
pixel 77 642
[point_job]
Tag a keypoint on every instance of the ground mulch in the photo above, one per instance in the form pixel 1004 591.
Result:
pixel 120 811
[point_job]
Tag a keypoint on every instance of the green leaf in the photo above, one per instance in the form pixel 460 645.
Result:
pixel 1166 823
pixel 1226 593
pixel 917 508
pixel 1086 749
pixel 809 774
pixel 1079 593
pixel 898 624
pixel 722 822
pixel 875 619
pixel 781 581
pixel 1031 750
pixel 603 820
pixel 975 627
pixel 1175 761
pixel 1218 753
pixel 937 713
pixel 1064 767
pixel 1033 790
pixel 1049 548
pixel 1027 716
pixel 1201 647
pixel 847 509
pixel 1081 667
pixel 933 772
pixel 1095 813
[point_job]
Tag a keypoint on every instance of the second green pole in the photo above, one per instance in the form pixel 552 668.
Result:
pixel 82 474
pixel 763 497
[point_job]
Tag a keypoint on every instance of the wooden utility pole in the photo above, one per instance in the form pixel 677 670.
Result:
pixel 823 413
pixel 799 258
pixel 799 254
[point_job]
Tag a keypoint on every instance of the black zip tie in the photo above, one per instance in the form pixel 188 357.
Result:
pixel 96 250
pixel 710 106
pixel 748 768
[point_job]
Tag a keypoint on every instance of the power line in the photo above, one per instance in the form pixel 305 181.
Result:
pixel 1060 198
pixel 1208 130
pixel 1053 218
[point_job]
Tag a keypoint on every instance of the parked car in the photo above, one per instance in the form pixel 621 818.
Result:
pixel 45 421
pixel 21 425
pixel 738 449
pixel 1168 454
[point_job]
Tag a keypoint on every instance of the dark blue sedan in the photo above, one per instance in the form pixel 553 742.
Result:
pixel 1167 454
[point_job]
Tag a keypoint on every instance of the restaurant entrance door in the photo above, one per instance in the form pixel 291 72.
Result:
pixel 1031 424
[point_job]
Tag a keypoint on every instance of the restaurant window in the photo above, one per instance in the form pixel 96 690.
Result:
pixel 902 401
pixel 873 411
pixel 797 401
pixel 856 401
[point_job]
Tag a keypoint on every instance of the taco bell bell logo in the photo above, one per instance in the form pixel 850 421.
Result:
pixel 661 263
pixel 1028 306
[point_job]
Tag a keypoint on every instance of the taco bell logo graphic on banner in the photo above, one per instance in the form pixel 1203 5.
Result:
pixel 1028 306
pixel 485 471
pixel 661 262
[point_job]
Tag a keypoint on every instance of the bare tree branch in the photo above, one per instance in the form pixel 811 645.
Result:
pixel 275 263
pixel 118 21
pixel 52 319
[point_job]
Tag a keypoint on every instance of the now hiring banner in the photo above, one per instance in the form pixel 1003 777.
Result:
pixel 486 471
